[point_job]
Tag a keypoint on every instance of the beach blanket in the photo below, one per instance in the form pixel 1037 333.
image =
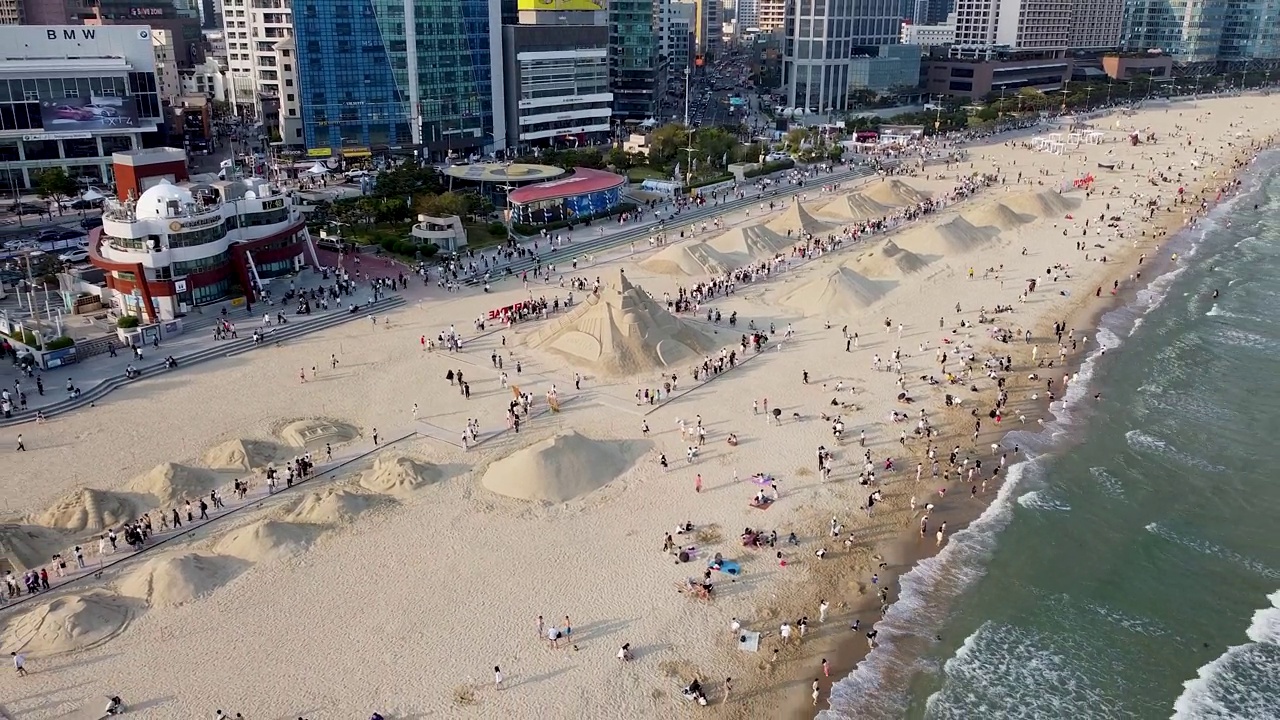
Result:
pixel 762 479
pixel 726 566
pixel 749 641
pixel 768 503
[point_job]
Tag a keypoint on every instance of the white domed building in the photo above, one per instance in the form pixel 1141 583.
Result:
pixel 177 245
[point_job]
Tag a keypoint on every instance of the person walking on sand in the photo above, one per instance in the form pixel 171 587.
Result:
pixel 815 692
pixel 21 446
pixel 823 606
pixel 497 677
pixel 728 688
pixel 697 483
pixel 826 668
pixel 375 437
pixel 541 627
pixel 19 664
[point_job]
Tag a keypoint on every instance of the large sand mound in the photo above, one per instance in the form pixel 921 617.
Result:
pixel 87 509
pixel 313 433
pixel 841 291
pixel 894 193
pixel 333 506
pixel 797 220
pixel 171 482
pixel 560 468
pixel 889 261
pixel 178 579
pixel 856 207
pixel 1042 204
pixel 621 331
pixel 240 454
pixel 961 235
pixel 998 215
pixel 694 259
pixel 266 540
pixel 396 474
pixel 66 624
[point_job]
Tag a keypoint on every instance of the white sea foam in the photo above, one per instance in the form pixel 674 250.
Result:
pixel 1144 442
pixel 1204 546
pixel 1109 484
pixel 1003 672
pixel 1215 311
pixel 1039 500
pixel 1244 682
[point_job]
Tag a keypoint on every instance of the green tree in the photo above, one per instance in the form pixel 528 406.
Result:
pixel 619 159
pixel 55 184
pixel 796 138
pixel 445 204
pixel 665 144
pixel 713 144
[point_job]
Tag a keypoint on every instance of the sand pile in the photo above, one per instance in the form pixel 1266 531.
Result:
pixel 396 475
pixel 313 433
pixel 560 468
pixel 87 509
pixel 694 259
pixel 240 454
pixel 333 506
pixel 178 579
pixel 1042 204
pixel 960 235
pixel 894 193
pixel 68 623
pixel 998 215
pixel 841 291
pixel 856 207
pixel 889 261
pixel 797 220
pixel 622 331
pixel 171 482
pixel 266 540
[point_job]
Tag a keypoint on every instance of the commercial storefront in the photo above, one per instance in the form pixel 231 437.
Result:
pixel 585 194
pixel 70 97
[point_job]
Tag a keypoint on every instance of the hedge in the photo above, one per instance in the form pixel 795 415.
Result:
pixel 26 337
pixel 711 181
pixel 128 321
pixel 58 343
pixel 523 229
pixel 407 247
pixel 770 168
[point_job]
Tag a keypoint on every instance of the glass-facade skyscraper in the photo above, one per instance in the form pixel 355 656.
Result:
pixel 636 68
pixel 385 74
pixel 1204 31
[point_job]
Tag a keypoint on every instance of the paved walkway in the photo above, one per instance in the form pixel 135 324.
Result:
pixel 325 472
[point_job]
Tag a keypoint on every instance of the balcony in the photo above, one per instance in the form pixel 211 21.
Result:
pixel 126 212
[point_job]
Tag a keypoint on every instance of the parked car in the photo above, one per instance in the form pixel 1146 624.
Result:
pixel 74 256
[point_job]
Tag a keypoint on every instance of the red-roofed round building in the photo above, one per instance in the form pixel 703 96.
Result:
pixel 584 194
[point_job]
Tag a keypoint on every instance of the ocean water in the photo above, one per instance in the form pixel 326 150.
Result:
pixel 1130 566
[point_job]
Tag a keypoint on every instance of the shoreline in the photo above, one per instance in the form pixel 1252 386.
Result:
pixel 905 550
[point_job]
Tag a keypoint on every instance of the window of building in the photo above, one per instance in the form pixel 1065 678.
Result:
pixel 197 237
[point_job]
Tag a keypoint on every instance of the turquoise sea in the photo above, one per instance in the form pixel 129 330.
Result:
pixel 1130 568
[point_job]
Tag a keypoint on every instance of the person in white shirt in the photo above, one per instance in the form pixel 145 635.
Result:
pixel 497 677
pixel 19 664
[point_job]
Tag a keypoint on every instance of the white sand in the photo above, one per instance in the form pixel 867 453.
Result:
pixel 396 475
pixel 87 509
pixel 338 624
pixel 241 454
pixel 889 261
pixel 333 506
pixel 171 482
pixel 855 207
pixel 622 331
pixel 563 467
pixel 796 219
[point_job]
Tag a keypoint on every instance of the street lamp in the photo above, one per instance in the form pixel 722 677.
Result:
pixel 687 73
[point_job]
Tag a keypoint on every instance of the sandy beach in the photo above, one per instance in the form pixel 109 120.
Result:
pixel 396 581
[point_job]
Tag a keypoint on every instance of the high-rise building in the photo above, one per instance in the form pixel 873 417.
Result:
pixel 771 14
pixel 167 82
pixel 1204 31
pixel 707 27
pixel 824 38
pixel 1095 24
pixel 556 71
pixel 985 26
pixel 679 46
pixel 747 15
pixel 637 70
pixel 183 25
pixel 384 74
pixel 251 29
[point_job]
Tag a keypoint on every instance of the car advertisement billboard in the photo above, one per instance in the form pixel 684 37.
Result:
pixel 562 5
pixel 77 114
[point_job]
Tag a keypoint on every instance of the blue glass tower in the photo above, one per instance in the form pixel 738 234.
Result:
pixel 383 74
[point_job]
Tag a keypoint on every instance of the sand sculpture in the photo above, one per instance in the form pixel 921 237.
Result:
pixel 266 540
pixel 87 510
pixel 396 475
pixel 1042 204
pixel 67 623
pixel 173 580
pixel 240 454
pixel 622 331
pixel 313 433
pixel 171 482
pixel 333 506
pixel 798 221
pixel 894 193
pixel 856 207
pixel 839 291
pixel 561 468
pixel 889 261
pixel 998 215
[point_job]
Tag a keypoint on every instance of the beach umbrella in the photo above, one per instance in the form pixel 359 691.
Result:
pixel 92 195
